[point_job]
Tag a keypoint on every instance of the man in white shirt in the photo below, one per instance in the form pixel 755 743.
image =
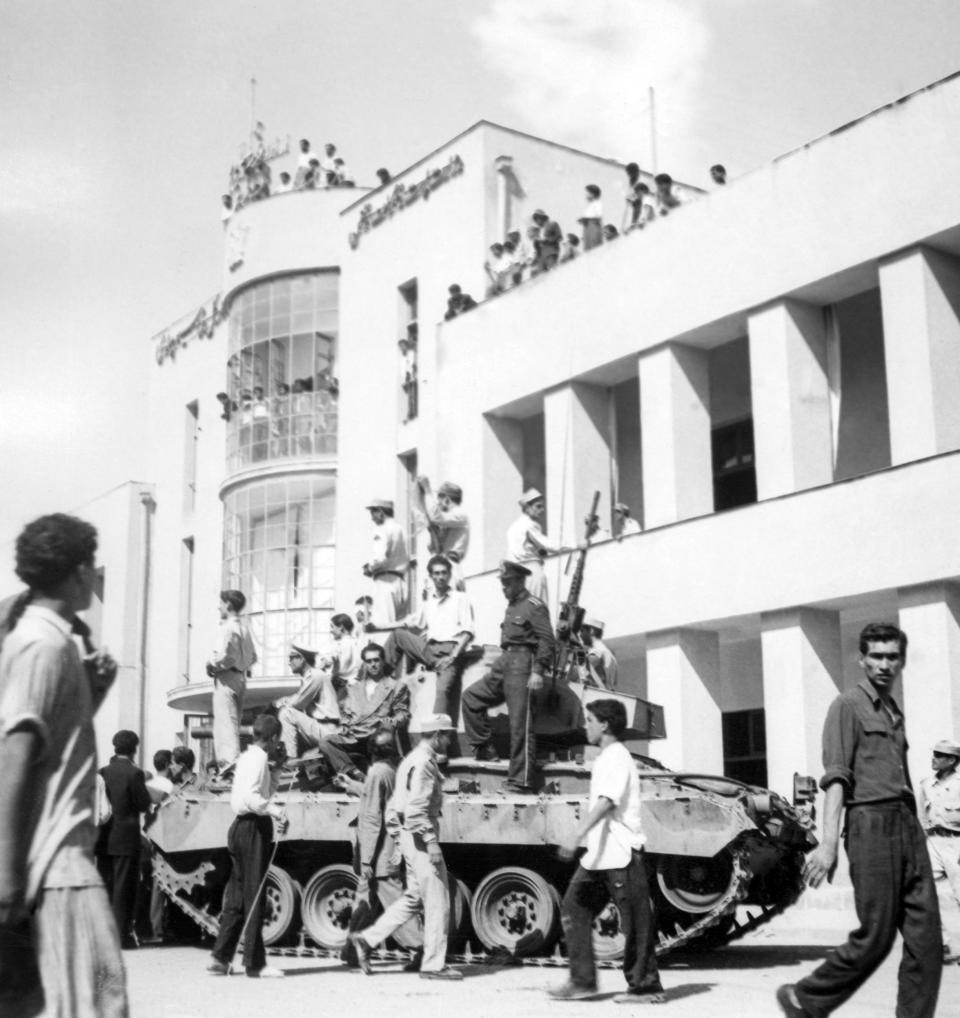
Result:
pixel 328 168
pixel 233 657
pixel 249 842
pixel 303 163
pixel 449 527
pixel 600 663
pixel 55 917
pixel 436 636
pixel 388 564
pixel 939 811
pixel 529 545
pixel 343 651
pixel 624 523
pixel 612 868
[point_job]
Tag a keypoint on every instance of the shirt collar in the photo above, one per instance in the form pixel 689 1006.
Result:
pixel 868 687
pixel 49 615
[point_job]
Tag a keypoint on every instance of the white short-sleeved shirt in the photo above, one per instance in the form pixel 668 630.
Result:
pixel 611 841
pixel 44 687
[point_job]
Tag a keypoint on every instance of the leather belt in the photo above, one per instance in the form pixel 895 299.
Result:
pixel 943 832
pixel 388 572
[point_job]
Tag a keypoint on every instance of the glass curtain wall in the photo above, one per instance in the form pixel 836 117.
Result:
pixel 279 550
pixel 282 387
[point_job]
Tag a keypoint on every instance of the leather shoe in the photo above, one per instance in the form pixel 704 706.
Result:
pixel 789 1002
pixel 508 788
pixel 445 973
pixel 650 997
pixel 267 972
pixel 363 953
pixel 413 965
pixel 218 968
pixel 570 991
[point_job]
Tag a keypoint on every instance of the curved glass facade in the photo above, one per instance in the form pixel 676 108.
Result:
pixel 278 548
pixel 281 374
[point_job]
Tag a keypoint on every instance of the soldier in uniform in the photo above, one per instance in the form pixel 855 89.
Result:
pixel 515 678
pixel 939 811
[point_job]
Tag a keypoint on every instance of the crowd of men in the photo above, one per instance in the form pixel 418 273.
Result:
pixel 253 180
pixel 61 938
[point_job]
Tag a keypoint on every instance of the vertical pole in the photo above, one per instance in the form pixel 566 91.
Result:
pixel 253 109
pixel 653 132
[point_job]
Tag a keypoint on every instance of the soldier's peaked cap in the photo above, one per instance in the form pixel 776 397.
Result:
pixel 381 503
pixel 948 748
pixel 510 568
pixel 310 656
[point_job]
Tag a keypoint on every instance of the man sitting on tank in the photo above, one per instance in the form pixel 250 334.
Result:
pixel 377 701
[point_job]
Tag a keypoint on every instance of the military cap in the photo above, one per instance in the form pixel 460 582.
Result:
pixel 947 748
pixel 510 568
pixel 453 490
pixel 592 623
pixel 381 503
pixel 530 495
pixel 310 656
pixel 436 723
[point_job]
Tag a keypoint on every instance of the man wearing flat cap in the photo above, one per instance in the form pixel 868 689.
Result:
pixel 413 818
pixel 939 808
pixel 388 563
pixel 515 678
pixel 448 525
pixel 528 545
pixel 600 665
pixel 313 711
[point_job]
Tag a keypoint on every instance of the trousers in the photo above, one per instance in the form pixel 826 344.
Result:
pixel 892 890
pixel 228 688
pixel 587 894
pixel 124 882
pixel 421 649
pixel 296 725
pixel 944 854
pixel 426 888
pixel 249 841
pixel 506 682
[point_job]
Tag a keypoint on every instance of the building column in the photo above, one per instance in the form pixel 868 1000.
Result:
pixel 683 675
pixel 576 425
pixel 920 298
pixel 930 616
pixel 802 674
pixel 790 395
pixel 675 434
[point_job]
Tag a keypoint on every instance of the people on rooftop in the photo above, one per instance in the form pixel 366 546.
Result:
pixel 458 302
pixel 718 174
pixel 383 175
pixel 666 198
pixel 591 219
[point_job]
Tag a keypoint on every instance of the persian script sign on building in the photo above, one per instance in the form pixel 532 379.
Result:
pixel 200 326
pixel 404 195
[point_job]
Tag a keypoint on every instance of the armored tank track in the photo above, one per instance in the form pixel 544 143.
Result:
pixel 175 884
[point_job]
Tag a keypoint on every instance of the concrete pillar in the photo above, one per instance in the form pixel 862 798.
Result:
pixel 930 616
pixel 802 674
pixel 501 488
pixel 920 298
pixel 683 675
pixel 577 438
pixel 675 434
pixel 791 398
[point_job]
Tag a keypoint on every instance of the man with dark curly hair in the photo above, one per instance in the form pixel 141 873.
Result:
pixel 48 696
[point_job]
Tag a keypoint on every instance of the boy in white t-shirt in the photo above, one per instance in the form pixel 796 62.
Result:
pixel 611 868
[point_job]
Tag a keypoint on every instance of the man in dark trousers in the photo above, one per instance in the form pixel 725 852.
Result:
pixel 865 770
pixel 249 842
pixel 128 795
pixel 515 678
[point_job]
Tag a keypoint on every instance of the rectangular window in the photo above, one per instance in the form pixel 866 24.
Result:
pixel 186 607
pixel 407 344
pixel 191 436
pixel 745 746
pixel 734 470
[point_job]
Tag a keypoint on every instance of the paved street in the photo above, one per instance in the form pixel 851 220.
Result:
pixel 735 982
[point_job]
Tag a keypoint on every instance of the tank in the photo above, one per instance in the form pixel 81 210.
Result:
pixel 713 844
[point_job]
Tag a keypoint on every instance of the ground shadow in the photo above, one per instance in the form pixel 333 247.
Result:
pixel 752 957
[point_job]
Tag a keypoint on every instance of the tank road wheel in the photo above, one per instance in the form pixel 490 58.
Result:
pixel 410 935
pixel 515 909
pixel 328 904
pixel 608 939
pixel 694 884
pixel 281 898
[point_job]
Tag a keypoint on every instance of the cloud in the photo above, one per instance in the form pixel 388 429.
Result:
pixel 578 71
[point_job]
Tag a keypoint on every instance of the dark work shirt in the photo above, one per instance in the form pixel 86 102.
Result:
pixel 526 623
pixel 865 748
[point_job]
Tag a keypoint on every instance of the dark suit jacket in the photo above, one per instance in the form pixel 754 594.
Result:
pixel 388 707
pixel 128 795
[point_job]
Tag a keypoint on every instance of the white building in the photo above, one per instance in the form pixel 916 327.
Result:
pixel 767 376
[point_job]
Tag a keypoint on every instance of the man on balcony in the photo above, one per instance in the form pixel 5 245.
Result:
pixel 449 528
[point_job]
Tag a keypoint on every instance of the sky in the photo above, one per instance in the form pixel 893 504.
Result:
pixel 120 119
